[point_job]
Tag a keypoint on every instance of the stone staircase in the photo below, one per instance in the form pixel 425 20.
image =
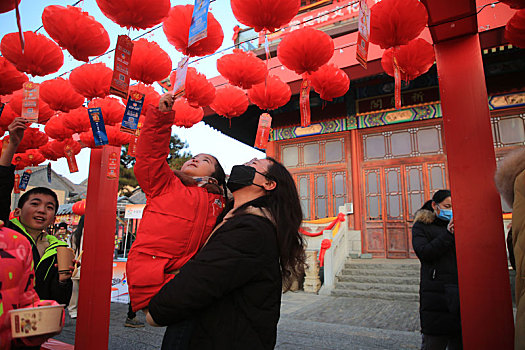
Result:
pixel 390 279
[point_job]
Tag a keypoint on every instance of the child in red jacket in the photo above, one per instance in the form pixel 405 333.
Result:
pixel 177 219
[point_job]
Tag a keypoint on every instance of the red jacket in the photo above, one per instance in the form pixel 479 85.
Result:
pixel 177 219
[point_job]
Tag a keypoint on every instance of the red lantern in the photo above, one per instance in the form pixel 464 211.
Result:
pixel 41 55
pixel 115 137
pixel 8 5
pixel 199 91
pixel 48 151
pixel 31 157
pixel 7 117
pixel 515 29
pixel 274 94
pixel 265 14
pixel 230 101
pixel 83 37
pixel 151 97
pixel 55 128
pixel 137 14
pixel 44 112
pixel 515 4
pixel 58 147
pixel 177 29
pixel 149 63
pixel 77 120
pixel 305 50
pixel 396 22
pixel 10 78
pixel 413 59
pixel 79 208
pixel 33 138
pixel 112 109
pixel 91 80
pixel 59 95
pixel 330 82
pixel 185 115
pixel 242 69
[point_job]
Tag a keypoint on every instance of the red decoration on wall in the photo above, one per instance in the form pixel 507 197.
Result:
pixel 265 14
pixel 91 80
pixel 60 95
pixel 230 101
pixel 149 63
pixel 33 138
pixel 199 91
pixel 79 208
pixel 112 109
pixel 10 78
pixel 413 59
pixel 41 55
pixel 137 14
pixel 44 112
pixel 76 31
pixel 77 120
pixel 242 69
pixel 396 22
pixel 8 5
pixel 515 29
pixel 185 115
pixel 115 137
pixel 272 94
pixel 55 128
pixel 515 4
pixel 177 28
pixel 305 50
pixel 330 82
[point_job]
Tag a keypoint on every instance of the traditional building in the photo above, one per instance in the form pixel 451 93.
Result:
pixel 359 149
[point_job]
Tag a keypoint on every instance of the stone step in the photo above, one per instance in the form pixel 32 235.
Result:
pixel 355 264
pixel 375 295
pixel 379 287
pixel 413 280
pixel 381 272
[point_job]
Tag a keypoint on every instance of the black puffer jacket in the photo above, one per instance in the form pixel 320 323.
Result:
pixel 231 288
pixel 438 289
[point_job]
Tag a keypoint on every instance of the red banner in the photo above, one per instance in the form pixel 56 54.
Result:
pixel 120 80
pixel 364 31
pixel 113 166
pixel 304 103
pixel 71 160
pixel 30 101
pixel 263 131
pixel 132 148
pixel 17 183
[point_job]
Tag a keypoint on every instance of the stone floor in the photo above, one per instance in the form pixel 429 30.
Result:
pixel 308 321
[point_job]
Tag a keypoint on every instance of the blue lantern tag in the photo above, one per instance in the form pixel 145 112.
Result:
pixel 24 181
pixel 97 126
pixel 131 117
pixel 49 172
pixel 199 21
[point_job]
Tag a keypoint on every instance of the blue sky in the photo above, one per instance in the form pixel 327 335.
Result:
pixel 201 138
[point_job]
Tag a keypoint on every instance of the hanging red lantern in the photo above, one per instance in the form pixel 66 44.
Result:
pixel 230 101
pixel 7 117
pixel 137 14
pixel 79 208
pixel 515 29
pixel 91 80
pixel 41 55
pixel 413 59
pixel 305 50
pixel 265 14
pixel 44 112
pixel 515 4
pixel 151 97
pixel 10 78
pixel 77 120
pixel 8 5
pixel 31 157
pixel 198 90
pixel 149 63
pixel 48 151
pixel 115 137
pixel 55 128
pixel 185 115
pixel 330 82
pixel 396 22
pixel 112 109
pixel 177 28
pixel 270 95
pixel 32 139
pixel 84 36
pixel 242 69
pixel 59 95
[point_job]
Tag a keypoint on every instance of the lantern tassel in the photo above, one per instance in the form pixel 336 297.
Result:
pixel 304 101
pixel 19 25
pixel 397 81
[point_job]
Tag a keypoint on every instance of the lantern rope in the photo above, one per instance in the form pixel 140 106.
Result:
pixel 42 26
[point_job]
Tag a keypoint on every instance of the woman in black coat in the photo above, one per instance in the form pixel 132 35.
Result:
pixel 231 290
pixel 433 242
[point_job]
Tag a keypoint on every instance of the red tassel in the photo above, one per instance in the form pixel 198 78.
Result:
pixel 397 80
pixel 305 102
pixel 325 245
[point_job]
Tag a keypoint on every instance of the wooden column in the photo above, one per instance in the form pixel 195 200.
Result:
pixel 92 329
pixel 486 307
pixel 356 182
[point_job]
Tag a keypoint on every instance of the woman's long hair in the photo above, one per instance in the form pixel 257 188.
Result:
pixel 220 176
pixel 76 236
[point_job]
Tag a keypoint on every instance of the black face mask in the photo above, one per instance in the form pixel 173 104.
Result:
pixel 242 176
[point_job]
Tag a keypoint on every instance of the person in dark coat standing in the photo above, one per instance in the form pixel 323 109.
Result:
pixel 434 244
pixel 231 289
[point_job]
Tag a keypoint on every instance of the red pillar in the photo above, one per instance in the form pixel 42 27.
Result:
pixel 92 329
pixel 486 306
